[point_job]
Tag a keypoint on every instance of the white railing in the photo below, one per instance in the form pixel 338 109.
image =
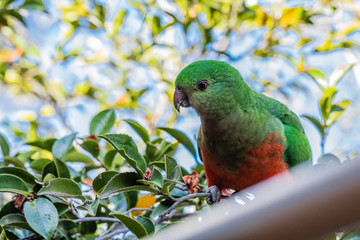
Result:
pixel 306 204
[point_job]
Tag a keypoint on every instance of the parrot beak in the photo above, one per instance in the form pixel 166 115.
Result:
pixel 180 99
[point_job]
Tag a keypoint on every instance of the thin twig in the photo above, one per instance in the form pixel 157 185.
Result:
pixel 95 219
pixel 118 231
pixel 178 201
pixel 137 209
pixel 28 237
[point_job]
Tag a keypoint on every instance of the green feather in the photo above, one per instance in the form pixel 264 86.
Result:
pixel 234 117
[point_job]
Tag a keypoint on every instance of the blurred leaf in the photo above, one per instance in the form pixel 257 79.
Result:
pixel 157 178
pixel 19 172
pixel 291 17
pixel 38 164
pixel 146 201
pixel 62 187
pixel 48 177
pixel 119 21
pixel 90 208
pixel 131 199
pixel 8 208
pixel 120 182
pixel 62 146
pixel 147 223
pixel 128 149
pixel 56 167
pixel 4 146
pixel 102 122
pixel 92 146
pixel 42 216
pixel 79 157
pixel 102 179
pixel 2 234
pixel 318 77
pixel 34 5
pixel 110 157
pixel 317 124
pixel 43 143
pixel 173 171
pixel 139 129
pixel 181 138
pixel 15 220
pixel 339 73
pixel 134 226
pixel 14 161
pixel 64 226
pixel 14 184
pixel 336 111
pixel 325 101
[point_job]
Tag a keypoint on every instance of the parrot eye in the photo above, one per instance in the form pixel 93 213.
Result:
pixel 202 85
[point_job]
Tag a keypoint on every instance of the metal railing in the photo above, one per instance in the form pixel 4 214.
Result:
pixel 305 204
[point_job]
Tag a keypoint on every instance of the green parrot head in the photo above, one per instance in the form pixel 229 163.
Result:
pixel 209 87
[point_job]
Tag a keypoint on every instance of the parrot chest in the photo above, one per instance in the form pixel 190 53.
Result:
pixel 247 154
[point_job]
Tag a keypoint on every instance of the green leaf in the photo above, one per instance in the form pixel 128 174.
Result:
pixel 61 207
pixel 102 122
pixel 15 220
pixel 318 77
pixel 34 5
pixel 339 73
pixel 131 199
pixel 336 111
pixel 173 171
pixel 14 184
pixel 43 143
pixel 79 157
pixel 92 146
pixel 118 21
pixel 8 208
pixel 62 187
pixel 56 168
pixel 14 161
pixel 120 181
pixel 62 146
pixel 134 226
pixel 2 234
pixel 91 208
pixel 38 164
pixel 48 178
pixel 42 216
pixel 147 223
pixel 109 158
pixel 128 149
pixel 325 102
pixel 156 179
pixel 64 226
pixel 4 146
pixel 21 173
pixel 317 124
pixel 181 138
pixel 139 129
pixel 102 179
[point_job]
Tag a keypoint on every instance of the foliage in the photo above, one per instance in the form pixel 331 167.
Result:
pixel 109 183
pixel 330 111
pixel 130 190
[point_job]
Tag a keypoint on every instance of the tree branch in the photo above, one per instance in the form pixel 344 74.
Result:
pixel 95 219
pixel 162 216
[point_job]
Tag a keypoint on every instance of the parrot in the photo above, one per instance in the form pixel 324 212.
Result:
pixel 245 137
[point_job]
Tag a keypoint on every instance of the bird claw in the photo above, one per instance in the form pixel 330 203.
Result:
pixel 214 196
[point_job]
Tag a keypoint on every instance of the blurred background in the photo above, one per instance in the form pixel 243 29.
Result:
pixel 63 61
